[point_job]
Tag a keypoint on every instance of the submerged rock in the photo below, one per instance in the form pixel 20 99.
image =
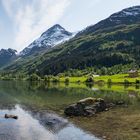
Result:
pixel 86 107
pixel 49 120
pixel 11 116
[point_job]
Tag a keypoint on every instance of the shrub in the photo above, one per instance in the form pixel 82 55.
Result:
pixel 34 77
pixel 55 79
pixel 137 81
pixel 6 78
pixel 126 82
pixel 78 81
pixel 47 78
pixel 67 80
pixel 89 80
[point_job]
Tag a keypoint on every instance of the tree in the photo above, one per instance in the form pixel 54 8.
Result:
pixel 67 80
pixel 89 80
pixel 34 77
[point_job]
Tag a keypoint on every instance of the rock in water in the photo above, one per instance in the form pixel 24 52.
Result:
pixel 86 107
pixel 11 116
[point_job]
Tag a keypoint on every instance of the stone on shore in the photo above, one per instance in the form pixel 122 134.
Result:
pixel 86 107
pixel 11 116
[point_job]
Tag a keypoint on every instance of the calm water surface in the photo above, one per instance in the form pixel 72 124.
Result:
pixel 40 109
pixel 36 120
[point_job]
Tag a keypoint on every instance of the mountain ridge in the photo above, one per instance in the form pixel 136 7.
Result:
pixel 113 20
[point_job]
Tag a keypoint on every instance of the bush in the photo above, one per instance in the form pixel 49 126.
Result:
pixel 78 81
pixel 89 80
pixel 47 78
pixel 137 81
pixel 6 78
pixel 126 82
pixel 34 77
pixel 55 79
pixel 67 80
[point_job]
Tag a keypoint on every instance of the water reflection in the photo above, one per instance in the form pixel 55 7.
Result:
pixel 29 127
pixel 25 128
pixel 32 103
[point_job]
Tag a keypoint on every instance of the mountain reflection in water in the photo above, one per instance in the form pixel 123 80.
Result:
pixel 32 125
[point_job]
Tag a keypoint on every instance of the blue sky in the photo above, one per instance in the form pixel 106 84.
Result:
pixel 22 21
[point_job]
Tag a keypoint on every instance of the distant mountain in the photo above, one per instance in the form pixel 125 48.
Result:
pixel 50 38
pixel 111 42
pixel 7 56
pixel 125 17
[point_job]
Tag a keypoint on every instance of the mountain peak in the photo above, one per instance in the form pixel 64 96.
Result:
pixel 53 29
pixel 8 51
pixel 6 56
pixel 50 38
pixel 57 26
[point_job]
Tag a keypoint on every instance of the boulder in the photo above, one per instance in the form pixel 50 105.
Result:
pixel 74 109
pixel 10 116
pixel 86 107
pixel 87 101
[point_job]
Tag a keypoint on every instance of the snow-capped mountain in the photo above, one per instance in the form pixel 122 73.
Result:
pixel 125 17
pixel 132 11
pixel 52 37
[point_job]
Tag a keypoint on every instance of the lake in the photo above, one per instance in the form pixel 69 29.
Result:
pixel 40 107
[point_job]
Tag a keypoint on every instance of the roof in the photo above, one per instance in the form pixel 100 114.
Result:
pixel 133 71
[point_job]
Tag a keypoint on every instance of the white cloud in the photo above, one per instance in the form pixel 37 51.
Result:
pixel 33 17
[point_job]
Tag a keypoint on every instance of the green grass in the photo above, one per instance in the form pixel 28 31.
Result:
pixel 115 79
pixel 118 78
pixel 74 79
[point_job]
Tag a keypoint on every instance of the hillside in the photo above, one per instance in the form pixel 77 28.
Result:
pixel 110 42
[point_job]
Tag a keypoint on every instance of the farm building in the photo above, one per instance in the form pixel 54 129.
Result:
pixel 133 73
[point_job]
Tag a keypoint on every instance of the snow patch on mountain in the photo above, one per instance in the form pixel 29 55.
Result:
pixel 132 11
pixel 52 37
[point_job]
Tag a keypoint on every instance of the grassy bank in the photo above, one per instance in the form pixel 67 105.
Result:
pixel 105 79
pixel 114 79
pixel 118 78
